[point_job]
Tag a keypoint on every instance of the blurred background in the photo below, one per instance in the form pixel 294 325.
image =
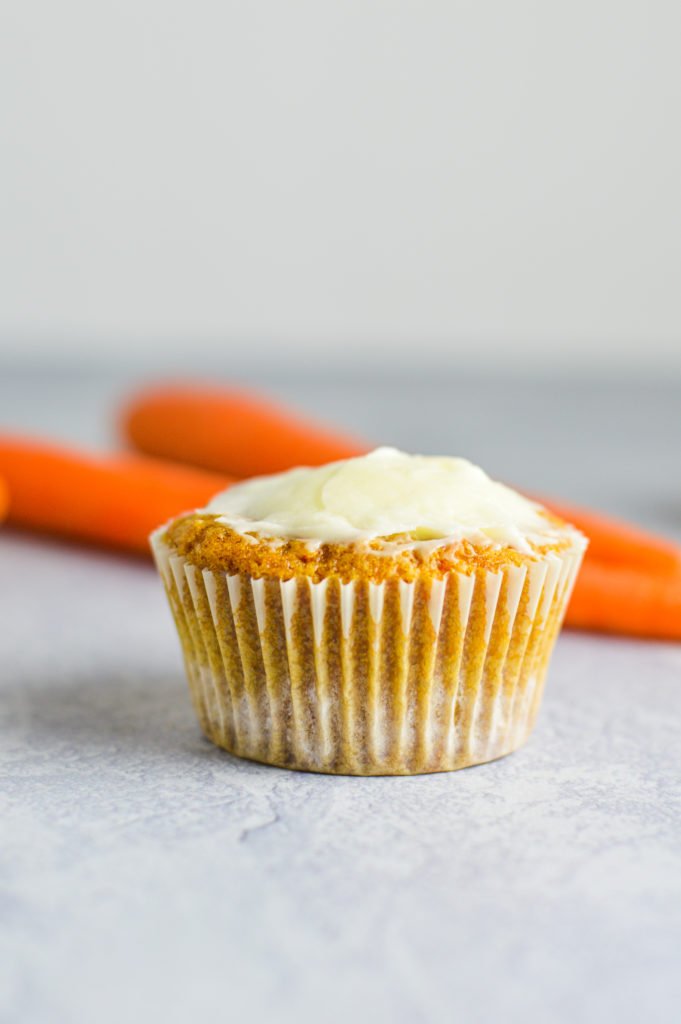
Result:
pixel 382 182
pixel 454 225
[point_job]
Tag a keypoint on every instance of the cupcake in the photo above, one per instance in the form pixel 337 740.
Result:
pixel 390 614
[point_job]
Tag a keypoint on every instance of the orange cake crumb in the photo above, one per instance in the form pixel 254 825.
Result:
pixel 209 543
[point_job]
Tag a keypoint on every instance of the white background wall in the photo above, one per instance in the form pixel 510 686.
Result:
pixel 437 178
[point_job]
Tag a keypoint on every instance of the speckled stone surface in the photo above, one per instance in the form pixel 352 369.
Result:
pixel 146 875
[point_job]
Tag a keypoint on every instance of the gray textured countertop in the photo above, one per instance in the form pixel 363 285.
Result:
pixel 146 875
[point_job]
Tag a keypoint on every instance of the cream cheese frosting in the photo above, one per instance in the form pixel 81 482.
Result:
pixel 383 494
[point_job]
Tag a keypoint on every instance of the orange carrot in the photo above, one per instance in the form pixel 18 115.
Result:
pixel 616 542
pixel 4 499
pixel 229 431
pixel 114 500
pixel 241 435
pixel 619 599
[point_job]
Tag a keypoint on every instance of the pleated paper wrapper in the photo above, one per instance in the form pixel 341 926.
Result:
pixel 360 678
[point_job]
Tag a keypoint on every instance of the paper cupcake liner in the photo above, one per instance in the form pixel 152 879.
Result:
pixel 368 679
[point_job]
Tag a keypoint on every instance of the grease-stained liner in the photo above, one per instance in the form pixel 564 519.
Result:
pixel 361 678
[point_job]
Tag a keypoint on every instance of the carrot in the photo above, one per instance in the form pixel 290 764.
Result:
pixel 241 435
pixel 4 499
pixel 115 501
pixel 620 599
pixel 616 542
pixel 229 431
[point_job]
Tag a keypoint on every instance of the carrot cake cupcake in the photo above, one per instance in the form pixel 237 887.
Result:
pixel 387 614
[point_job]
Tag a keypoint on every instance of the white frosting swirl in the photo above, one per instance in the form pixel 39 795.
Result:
pixel 384 493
